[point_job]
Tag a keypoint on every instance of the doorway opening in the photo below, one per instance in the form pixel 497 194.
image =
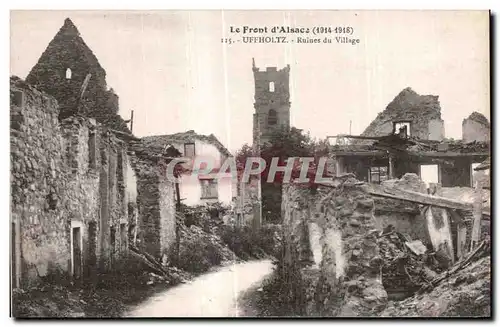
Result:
pixel 76 244
pixel 429 174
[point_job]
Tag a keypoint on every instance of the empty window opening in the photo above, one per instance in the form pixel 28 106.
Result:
pixel 113 238
pixel 402 129
pixel 271 86
pixel 68 73
pixel 189 150
pixel 77 252
pixel 14 260
pixel 377 174
pixel 272 119
pixel 209 189
pixel 123 237
pixel 112 246
pixel 92 150
pixel 429 174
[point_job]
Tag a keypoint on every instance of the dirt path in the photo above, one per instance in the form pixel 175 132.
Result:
pixel 210 295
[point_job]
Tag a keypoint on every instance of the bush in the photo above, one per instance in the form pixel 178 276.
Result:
pixel 198 256
pixel 247 244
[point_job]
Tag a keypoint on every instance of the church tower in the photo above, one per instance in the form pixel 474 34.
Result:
pixel 272 102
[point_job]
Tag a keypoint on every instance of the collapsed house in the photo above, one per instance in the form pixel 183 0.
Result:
pixel 377 232
pixel 347 263
pixel 203 188
pixel 82 187
pixel 376 155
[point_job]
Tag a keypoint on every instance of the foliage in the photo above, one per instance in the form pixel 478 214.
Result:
pixel 247 244
pixel 283 293
pixel 198 254
pixel 284 144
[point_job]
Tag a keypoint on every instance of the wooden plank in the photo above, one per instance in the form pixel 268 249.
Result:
pixel 476 213
pixel 461 237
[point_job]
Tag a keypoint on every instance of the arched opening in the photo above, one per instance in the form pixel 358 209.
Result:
pixel 68 73
pixel 271 86
pixel 272 118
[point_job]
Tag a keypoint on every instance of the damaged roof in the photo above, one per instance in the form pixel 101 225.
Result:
pixel 412 145
pixel 185 137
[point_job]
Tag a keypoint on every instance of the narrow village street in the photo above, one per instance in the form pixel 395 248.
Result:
pixel 213 294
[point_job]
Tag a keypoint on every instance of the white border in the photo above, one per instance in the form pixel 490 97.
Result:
pixel 189 4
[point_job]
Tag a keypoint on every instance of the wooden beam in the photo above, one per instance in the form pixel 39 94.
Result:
pixel 477 209
pixel 359 153
pixel 425 199
pixel 391 166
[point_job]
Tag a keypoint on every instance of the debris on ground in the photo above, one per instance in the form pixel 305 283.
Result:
pixel 463 293
pixel 407 265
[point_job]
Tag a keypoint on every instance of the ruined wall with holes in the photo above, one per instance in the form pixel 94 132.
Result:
pixel 422 111
pixel 333 242
pixel 61 71
pixel 60 177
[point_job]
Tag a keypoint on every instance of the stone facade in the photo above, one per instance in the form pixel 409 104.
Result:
pixel 66 191
pixel 423 112
pixel 272 102
pixel 476 128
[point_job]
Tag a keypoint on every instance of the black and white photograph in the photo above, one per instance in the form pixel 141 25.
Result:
pixel 250 164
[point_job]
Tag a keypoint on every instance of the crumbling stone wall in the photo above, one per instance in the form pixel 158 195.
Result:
pixel 349 267
pixel 422 111
pixel 156 208
pixel 333 237
pixel 55 181
pixel 37 181
pixel 476 127
pixel 247 201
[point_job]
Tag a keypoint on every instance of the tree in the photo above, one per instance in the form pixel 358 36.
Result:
pixel 283 144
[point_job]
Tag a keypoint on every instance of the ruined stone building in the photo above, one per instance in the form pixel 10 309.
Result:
pixel 272 113
pixel 431 156
pixel 68 198
pixel 68 70
pixel 79 191
pixel 198 189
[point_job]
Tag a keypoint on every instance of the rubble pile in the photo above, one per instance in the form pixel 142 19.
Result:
pixel 406 265
pixel 464 293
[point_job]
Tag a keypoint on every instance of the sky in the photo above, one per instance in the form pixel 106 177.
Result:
pixel 172 69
